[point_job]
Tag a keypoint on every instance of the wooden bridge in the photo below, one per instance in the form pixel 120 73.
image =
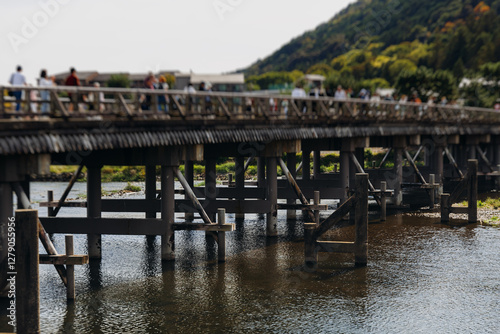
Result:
pixel 427 146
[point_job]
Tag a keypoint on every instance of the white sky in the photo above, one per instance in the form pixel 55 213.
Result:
pixel 139 36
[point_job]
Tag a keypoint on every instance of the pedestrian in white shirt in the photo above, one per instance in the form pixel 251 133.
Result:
pixel 299 92
pixel 17 79
pixel 340 94
pixel 45 94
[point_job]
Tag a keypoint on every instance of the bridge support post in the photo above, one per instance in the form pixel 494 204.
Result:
pixel 472 169
pixel 261 172
pixel 211 184
pixel 94 209
pixel 27 279
pixel 438 163
pixel 291 161
pixel 496 159
pixel 306 165
pixel 150 190
pixel 346 149
pixel 168 212
pixel 317 164
pixel 189 174
pixel 471 142
pixel 399 145
pixel 361 220
pixel 239 168
pixel 272 196
pixel 6 205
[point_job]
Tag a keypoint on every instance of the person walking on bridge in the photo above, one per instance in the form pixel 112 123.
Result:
pixel 44 81
pixel 18 79
pixel 72 80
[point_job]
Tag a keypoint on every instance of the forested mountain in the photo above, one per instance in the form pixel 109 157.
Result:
pixel 377 40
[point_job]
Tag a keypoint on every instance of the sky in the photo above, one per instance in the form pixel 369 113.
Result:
pixel 203 36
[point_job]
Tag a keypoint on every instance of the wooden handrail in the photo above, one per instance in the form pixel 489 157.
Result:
pixel 231 104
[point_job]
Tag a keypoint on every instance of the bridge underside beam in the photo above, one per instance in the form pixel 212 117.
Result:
pixel 121 226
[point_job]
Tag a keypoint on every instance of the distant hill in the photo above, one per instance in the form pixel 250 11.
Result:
pixel 379 39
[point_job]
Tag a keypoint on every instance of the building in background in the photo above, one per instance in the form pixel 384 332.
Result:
pixel 219 82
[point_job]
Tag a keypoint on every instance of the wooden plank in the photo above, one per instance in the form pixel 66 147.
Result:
pixel 112 226
pixel 204 227
pixel 55 204
pixel 361 170
pixel 453 162
pixel 414 166
pixel 192 196
pixel 303 207
pixel 224 107
pixel 62 259
pixel 124 105
pixel 42 234
pixel 460 188
pixel 335 217
pixel 183 205
pixel 59 104
pixel 123 226
pixel 296 188
pixel 336 246
pixel 459 210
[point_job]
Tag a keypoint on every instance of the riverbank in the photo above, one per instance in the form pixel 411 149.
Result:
pixel 329 162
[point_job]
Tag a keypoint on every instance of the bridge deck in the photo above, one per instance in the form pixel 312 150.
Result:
pixel 123 118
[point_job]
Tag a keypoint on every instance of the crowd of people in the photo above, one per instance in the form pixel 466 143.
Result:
pixel 364 94
pixel 40 99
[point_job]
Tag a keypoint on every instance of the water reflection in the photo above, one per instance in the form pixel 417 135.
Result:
pixel 422 276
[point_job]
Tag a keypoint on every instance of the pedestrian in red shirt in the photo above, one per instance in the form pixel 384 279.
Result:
pixel 72 80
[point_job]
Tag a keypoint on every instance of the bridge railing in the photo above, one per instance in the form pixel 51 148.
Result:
pixel 98 103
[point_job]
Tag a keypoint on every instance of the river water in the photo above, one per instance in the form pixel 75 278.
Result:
pixel 422 277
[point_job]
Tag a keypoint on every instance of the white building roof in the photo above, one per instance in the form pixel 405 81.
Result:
pixel 214 78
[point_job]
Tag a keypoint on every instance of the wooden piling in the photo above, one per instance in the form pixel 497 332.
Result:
pixel 383 201
pixel 361 220
pixel 70 269
pixel 150 190
pixel 221 236
pixel 168 212
pixel 316 164
pixel 272 196
pixel 445 208
pixel 50 199
pixel 211 184
pixel 27 279
pixel 344 175
pixel 310 249
pixel 472 167
pixel 432 191
pixel 261 172
pixel 398 170
pixel 239 168
pixel 291 161
pixel 94 209
pixel 317 201
pixel 306 165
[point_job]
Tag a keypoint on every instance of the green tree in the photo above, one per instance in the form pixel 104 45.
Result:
pixel 118 81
